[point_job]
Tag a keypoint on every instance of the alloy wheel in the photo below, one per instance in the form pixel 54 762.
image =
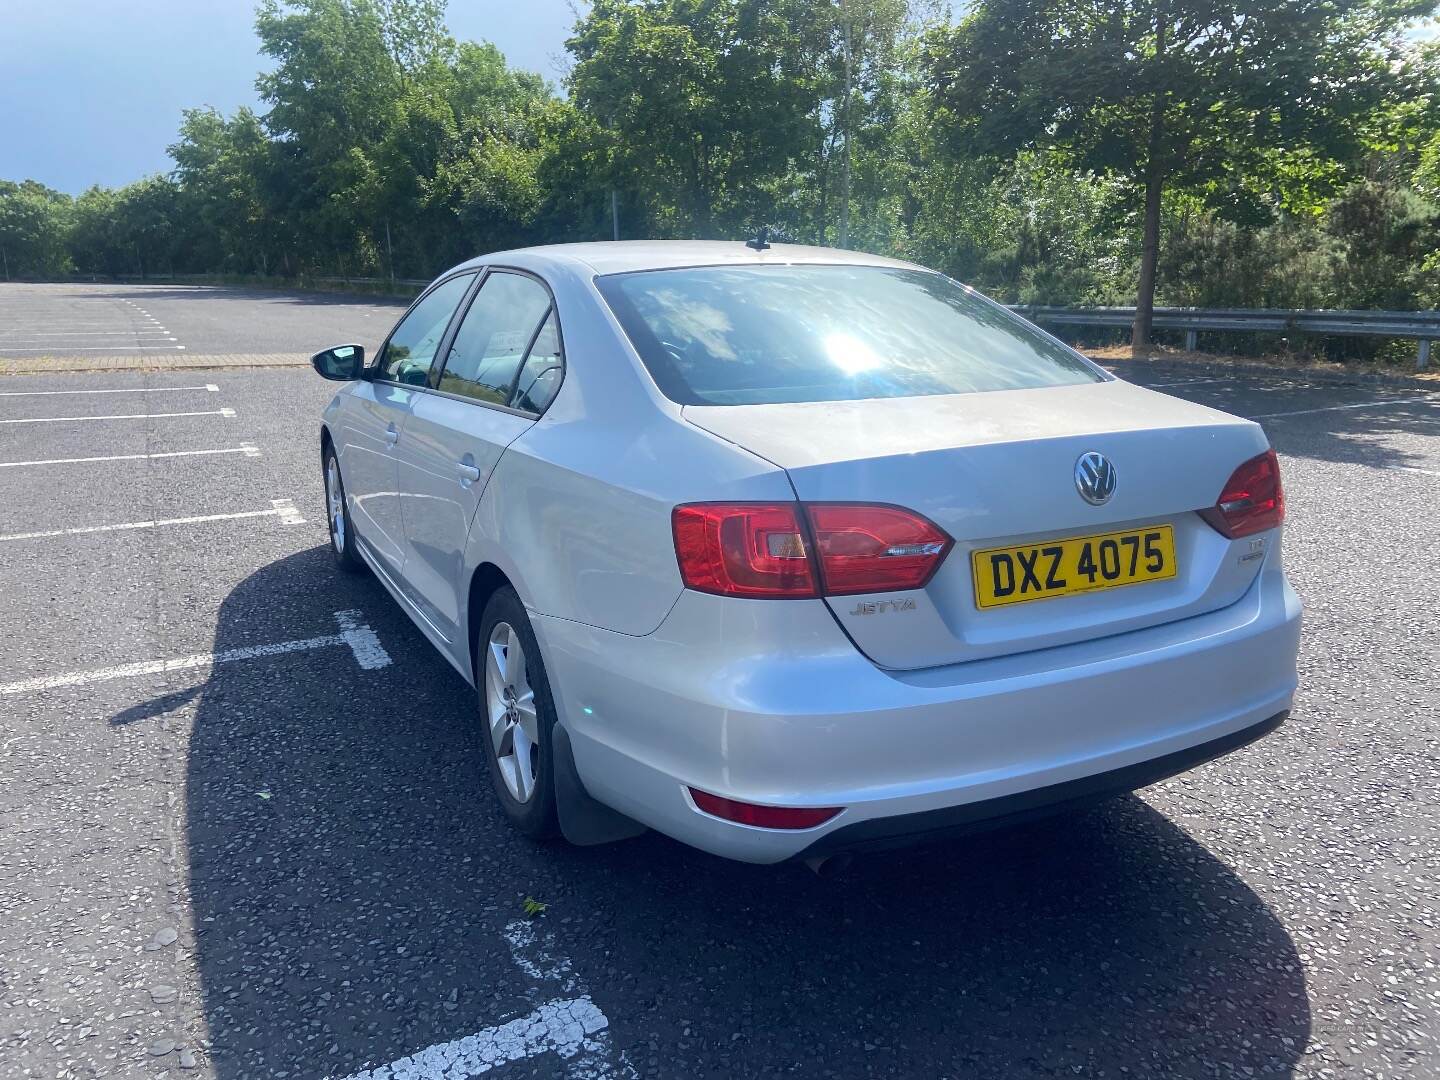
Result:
pixel 335 503
pixel 510 712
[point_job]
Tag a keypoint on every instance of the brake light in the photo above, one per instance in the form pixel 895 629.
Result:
pixel 864 549
pixel 764 817
pixel 1253 499
pixel 743 549
pixel 804 550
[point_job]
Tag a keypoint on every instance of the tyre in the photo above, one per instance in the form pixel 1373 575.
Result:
pixel 517 715
pixel 337 516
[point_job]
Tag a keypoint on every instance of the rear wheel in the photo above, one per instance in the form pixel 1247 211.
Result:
pixel 337 516
pixel 517 715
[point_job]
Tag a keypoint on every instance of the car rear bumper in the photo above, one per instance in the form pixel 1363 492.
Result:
pixel 876 834
pixel 768 702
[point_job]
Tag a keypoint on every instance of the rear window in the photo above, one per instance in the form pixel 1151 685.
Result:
pixel 756 335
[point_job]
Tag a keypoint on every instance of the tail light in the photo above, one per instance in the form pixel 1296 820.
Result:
pixel 866 549
pixel 764 817
pixel 801 550
pixel 743 549
pixel 1252 501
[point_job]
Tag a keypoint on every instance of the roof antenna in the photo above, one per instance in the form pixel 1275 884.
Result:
pixel 761 240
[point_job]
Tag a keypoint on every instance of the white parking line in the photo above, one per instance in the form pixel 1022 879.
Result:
pixel 284 509
pixel 14 333
pixel 243 448
pixel 1184 382
pixel 118 416
pixel 572 1027
pixel 1428 400
pixel 98 348
pixel 563 1026
pixel 117 390
pixel 361 640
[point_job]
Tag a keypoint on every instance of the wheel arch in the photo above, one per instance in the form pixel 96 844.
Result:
pixel 485 581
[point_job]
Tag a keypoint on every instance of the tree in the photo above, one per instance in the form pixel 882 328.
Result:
pixel 341 70
pixel 700 105
pixel 1188 94
pixel 34 224
pixel 224 171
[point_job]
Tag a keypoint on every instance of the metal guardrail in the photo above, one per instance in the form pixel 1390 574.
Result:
pixel 407 282
pixel 1422 326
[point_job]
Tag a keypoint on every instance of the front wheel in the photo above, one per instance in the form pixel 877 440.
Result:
pixel 517 715
pixel 337 516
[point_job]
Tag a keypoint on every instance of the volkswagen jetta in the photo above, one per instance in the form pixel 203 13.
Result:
pixel 784 551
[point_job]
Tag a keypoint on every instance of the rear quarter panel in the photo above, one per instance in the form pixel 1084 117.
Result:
pixel 578 515
pixel 577 512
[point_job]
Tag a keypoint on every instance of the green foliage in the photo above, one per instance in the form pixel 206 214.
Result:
pixel 699 106
pixel 1227 102
pixel 34 225
pixel 1267 153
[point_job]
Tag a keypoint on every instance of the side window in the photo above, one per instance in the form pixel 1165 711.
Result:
pixel 491 342
pixel 541 372
pixel 411 349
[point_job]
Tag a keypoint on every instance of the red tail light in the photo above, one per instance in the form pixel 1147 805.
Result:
pixel 774 550
pixel 743 549
pixel 867 549
pixel 764 817
pixel 1253 499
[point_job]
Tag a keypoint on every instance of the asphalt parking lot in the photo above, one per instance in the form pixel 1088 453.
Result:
pixel 244 830
pixel 88 323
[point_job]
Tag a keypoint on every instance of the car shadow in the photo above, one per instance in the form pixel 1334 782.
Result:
pixel 352 883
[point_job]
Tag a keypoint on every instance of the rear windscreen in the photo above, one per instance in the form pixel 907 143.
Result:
pixel 722 335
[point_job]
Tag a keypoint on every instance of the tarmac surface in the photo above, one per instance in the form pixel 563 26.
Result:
pixel 245 832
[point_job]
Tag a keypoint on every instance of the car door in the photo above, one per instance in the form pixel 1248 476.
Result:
pixel 501 367
pixel 375 413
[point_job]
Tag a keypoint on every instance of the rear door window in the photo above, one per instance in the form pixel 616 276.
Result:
pixel 541 373
pixel 494 338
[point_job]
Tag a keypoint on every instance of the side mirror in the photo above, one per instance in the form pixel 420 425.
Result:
pixel 341 363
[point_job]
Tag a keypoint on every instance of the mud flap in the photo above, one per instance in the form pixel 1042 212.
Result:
pixel 583 821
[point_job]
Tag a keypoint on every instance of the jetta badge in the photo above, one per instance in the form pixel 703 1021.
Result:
pixel 1095 478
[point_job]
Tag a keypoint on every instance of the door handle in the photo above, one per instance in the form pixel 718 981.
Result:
pixel 468 473
pixel 392 435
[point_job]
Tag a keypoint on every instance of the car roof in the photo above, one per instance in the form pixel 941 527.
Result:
pixel 626 256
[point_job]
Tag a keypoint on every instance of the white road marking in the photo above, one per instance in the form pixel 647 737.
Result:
pixel 243 448
pixel 99 348
pixel 287 515
pixel 119 416
pixel 358 637
pixel 572 1027
pixel 116 390
pixel 1185 382
pixel 12 333
pixel 564 1026
pixel 1429 400
pixel 534 956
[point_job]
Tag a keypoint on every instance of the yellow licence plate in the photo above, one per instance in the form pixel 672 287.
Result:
pixel 1013 575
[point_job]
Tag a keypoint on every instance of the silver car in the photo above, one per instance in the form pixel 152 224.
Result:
pixel 787 551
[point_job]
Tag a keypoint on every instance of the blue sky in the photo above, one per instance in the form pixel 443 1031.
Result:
pixel 91 90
